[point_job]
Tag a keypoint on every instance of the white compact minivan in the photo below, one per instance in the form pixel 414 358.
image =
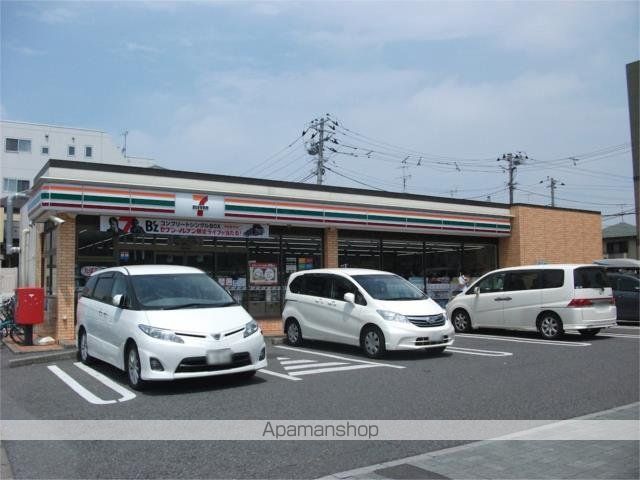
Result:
pixel 545 298
pixel 375 310
pixel 164 322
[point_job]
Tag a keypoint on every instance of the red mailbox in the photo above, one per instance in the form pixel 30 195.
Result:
pixel 29 306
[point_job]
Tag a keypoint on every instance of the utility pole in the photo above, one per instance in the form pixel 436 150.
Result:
pixel 124 148
pixel 553 184
pixel 405 175
pixel 320 164
pixel 316 148
pixel 513 160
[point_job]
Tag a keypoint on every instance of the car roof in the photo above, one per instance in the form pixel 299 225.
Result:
pixel 345 271
pixel 135 270
pixel 548 266
pixel 618 262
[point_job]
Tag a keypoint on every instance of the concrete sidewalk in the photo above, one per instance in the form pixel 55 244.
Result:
pixel 516 459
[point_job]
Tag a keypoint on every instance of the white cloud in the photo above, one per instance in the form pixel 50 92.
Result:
pixel 57 15
pixel 27 51
pixel 138 47
pixel 238 119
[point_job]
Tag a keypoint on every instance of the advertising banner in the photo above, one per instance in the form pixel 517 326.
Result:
pixel 195 228
pixel 261 273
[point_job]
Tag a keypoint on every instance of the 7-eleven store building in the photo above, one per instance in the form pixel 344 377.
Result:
pixel 251 234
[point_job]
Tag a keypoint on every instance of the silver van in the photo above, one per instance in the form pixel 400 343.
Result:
pixel 545 298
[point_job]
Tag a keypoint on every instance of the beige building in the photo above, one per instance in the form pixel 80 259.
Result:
pixel 250 234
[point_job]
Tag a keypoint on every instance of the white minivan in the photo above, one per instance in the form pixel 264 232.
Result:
pixel 164 322
pixel 375 310
pixel 545 298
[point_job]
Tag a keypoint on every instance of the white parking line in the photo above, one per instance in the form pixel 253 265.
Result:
pixel 125 394
pixel 338 357
pixel 314 365
pixel 334 369
pixel 475 351
pixel 277 374
pixel 295 362
pixel 76 387
pixel 558 343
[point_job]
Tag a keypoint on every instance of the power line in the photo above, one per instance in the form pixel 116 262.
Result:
pixel 354 180
pixel 272 156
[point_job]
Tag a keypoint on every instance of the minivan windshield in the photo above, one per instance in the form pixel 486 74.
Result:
pixel 590 277
pixel 174 291
pixel 389 287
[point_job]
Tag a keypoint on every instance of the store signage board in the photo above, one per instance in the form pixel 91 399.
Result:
pixel 194 228
pixel 201 206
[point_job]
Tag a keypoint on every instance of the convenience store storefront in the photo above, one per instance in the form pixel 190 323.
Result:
pixel 249 234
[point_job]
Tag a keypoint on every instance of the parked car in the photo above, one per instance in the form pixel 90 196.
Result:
pixel 375 310
pixel 626 290
pixel 162 322
pixel 629 266
pixel 545 298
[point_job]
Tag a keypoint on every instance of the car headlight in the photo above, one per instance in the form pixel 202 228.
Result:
pixel 393 316
pixel 250 328
pixel 160 333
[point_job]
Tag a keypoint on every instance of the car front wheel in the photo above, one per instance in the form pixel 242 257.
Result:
pixel 373 342
pixel 461 321
pixel 133 368
pixel 294 334
pixel 83 348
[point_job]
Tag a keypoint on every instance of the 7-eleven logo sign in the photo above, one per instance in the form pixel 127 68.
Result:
pixel 200 204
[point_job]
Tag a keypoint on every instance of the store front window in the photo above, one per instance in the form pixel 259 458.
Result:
pixel 431 263
pixel 254 270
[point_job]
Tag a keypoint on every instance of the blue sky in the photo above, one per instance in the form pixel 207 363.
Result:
pixel 221 86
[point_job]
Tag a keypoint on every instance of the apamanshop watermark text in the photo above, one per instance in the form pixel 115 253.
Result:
pixel 320 431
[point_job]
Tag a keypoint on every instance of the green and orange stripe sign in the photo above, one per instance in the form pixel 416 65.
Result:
pixel 382 219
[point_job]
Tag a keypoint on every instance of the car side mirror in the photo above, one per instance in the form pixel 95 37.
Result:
pixel 349 298
pixel 476 290
pixel 119 300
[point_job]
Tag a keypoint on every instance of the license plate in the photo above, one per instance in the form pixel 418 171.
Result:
pixel 219 357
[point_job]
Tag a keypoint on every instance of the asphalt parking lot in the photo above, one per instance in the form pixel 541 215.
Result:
pixel 487 375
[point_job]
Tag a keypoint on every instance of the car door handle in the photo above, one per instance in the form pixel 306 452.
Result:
pixel 502 299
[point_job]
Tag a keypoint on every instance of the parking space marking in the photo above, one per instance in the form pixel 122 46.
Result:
pixel 558 343
pixel 125 395
pixel 282 358
pixel 313 364
pixel 476 351
pixel 295 362
pixel 277 374
pixel 76 387
pixel 338 357
pixel 334 369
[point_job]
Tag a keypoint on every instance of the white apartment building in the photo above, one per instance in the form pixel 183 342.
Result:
pixel 26 148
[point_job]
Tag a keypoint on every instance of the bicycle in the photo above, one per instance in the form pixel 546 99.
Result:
pixel 8 325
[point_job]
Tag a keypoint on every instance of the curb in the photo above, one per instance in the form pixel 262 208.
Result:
pixel 43 358
pixel 279 340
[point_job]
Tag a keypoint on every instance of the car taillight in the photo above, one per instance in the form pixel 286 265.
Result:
pixel 588 302
pixel 580 302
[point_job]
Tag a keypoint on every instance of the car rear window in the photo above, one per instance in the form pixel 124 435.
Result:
pixel 590 277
